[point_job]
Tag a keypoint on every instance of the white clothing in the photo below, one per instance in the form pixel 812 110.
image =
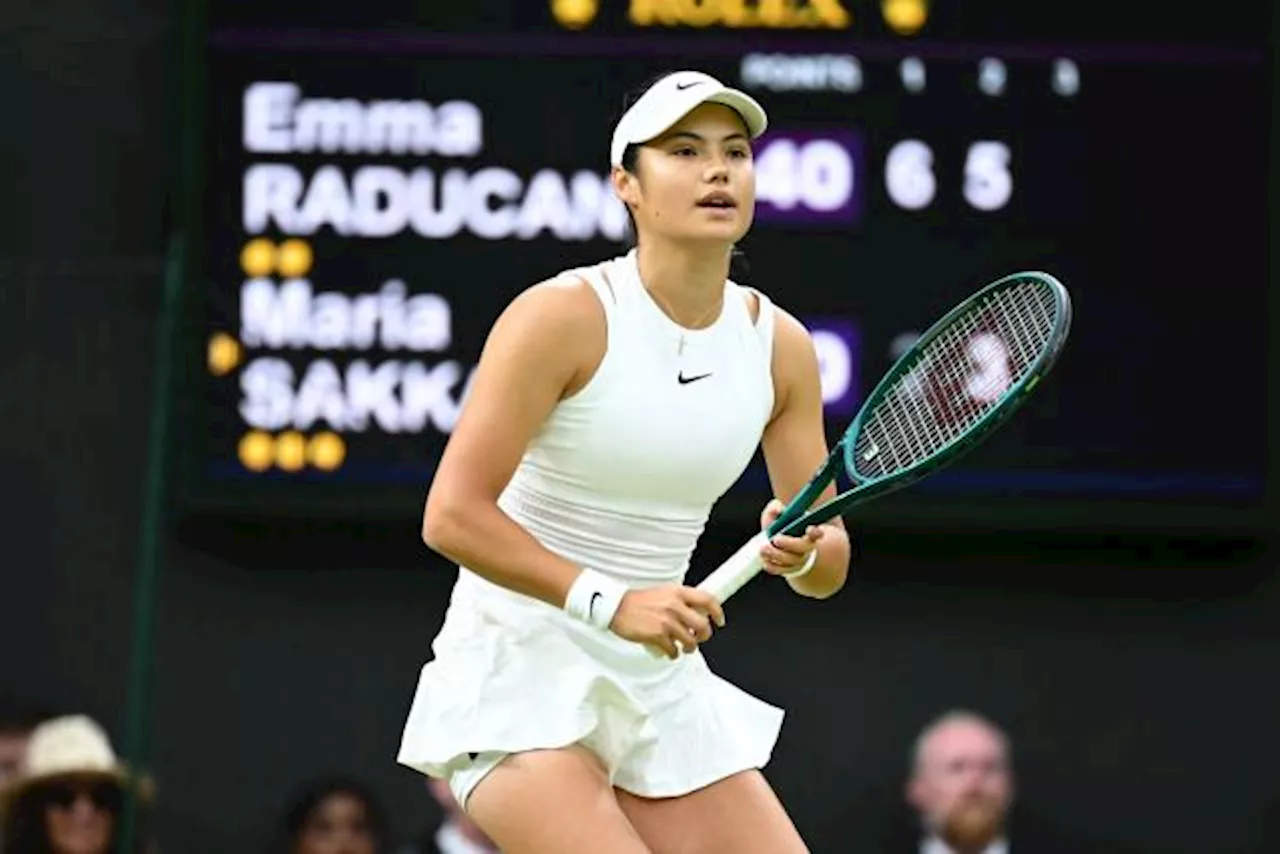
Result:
pixel 622 476
pixel 934 845
pixel 621 479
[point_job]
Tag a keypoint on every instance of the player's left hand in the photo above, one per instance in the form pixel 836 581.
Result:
pixel 786 554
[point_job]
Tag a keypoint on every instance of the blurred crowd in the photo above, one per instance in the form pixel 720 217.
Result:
pixel 64 790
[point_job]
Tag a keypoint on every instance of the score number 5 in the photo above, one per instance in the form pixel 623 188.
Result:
pixel 911 183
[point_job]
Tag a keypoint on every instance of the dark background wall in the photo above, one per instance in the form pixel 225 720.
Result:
pixel 81 234
pixel 1131 677
pixel 1134 671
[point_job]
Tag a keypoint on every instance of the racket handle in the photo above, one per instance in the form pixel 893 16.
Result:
pixel 742 566
pixel 729 577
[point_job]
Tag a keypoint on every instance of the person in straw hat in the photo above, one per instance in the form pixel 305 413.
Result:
pixel 69 795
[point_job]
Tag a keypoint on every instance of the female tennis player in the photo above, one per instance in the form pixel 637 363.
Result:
pixel 612 406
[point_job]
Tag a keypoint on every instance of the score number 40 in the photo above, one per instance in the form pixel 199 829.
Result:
pixel 912 184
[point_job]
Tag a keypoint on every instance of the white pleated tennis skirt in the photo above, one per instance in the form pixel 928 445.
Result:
pixel 511 673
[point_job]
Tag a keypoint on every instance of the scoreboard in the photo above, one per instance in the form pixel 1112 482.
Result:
pixel 374 196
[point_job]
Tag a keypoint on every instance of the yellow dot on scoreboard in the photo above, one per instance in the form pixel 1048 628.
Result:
pixel 291 451
pixel 257 450
pixel 258 257
pixel 224 353
pixel 575 14
pixel 294 258
pixel 905 17
pixel 327 451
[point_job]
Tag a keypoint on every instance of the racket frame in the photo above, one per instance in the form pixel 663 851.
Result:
pixel 1011 400
pixel 744 564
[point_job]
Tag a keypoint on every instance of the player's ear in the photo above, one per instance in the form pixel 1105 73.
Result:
pixel 626 185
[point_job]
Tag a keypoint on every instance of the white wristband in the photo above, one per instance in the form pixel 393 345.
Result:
pixel 806 567
pixel 594 598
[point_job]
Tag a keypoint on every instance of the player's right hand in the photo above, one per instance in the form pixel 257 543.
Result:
pixel 671 618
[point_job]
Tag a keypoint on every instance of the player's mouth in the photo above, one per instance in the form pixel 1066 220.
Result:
pixel 718 201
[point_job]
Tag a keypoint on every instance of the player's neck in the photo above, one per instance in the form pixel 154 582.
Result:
pixel 686 281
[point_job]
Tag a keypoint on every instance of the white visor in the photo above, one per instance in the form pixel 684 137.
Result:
pixel 671 99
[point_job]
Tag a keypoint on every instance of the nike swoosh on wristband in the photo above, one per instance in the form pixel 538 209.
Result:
pixel 683 380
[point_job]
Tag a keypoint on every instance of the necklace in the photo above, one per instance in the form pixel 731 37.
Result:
pixel 698 324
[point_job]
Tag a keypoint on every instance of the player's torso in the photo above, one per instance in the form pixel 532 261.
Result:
pixel 662 425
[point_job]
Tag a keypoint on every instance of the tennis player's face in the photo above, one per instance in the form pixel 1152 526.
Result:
pixel 697 180
pixel 339 825
pixel 963 779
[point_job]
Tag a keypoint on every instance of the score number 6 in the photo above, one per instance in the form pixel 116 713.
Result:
pixel 911 184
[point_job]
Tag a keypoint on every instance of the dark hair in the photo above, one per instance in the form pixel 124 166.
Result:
pixel 739 269
pixel 24 830
pixel 314 793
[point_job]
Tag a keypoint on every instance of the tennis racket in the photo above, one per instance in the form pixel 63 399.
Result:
pixel 964 376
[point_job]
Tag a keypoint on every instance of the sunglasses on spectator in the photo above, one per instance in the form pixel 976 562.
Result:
pixel 64 795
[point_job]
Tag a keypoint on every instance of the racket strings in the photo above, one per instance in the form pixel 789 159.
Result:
pixel 957 378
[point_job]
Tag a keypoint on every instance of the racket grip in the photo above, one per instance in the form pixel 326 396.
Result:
pixel 742 566
pixel 729 577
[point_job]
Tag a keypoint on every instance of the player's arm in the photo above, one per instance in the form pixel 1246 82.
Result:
pixel 795 445
pixel 543 346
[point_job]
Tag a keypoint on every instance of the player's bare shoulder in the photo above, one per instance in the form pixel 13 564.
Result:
pixel 793 349
pixel 563 301
pixel 556 326
pixel 794 364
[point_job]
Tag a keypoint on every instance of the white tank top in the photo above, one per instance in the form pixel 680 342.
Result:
pixel 622 475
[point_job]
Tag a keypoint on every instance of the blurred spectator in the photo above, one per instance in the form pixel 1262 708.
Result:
pixel 961 790
pixel 457 834
pixel 334 816
pixel 69 792
pixel 961 785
